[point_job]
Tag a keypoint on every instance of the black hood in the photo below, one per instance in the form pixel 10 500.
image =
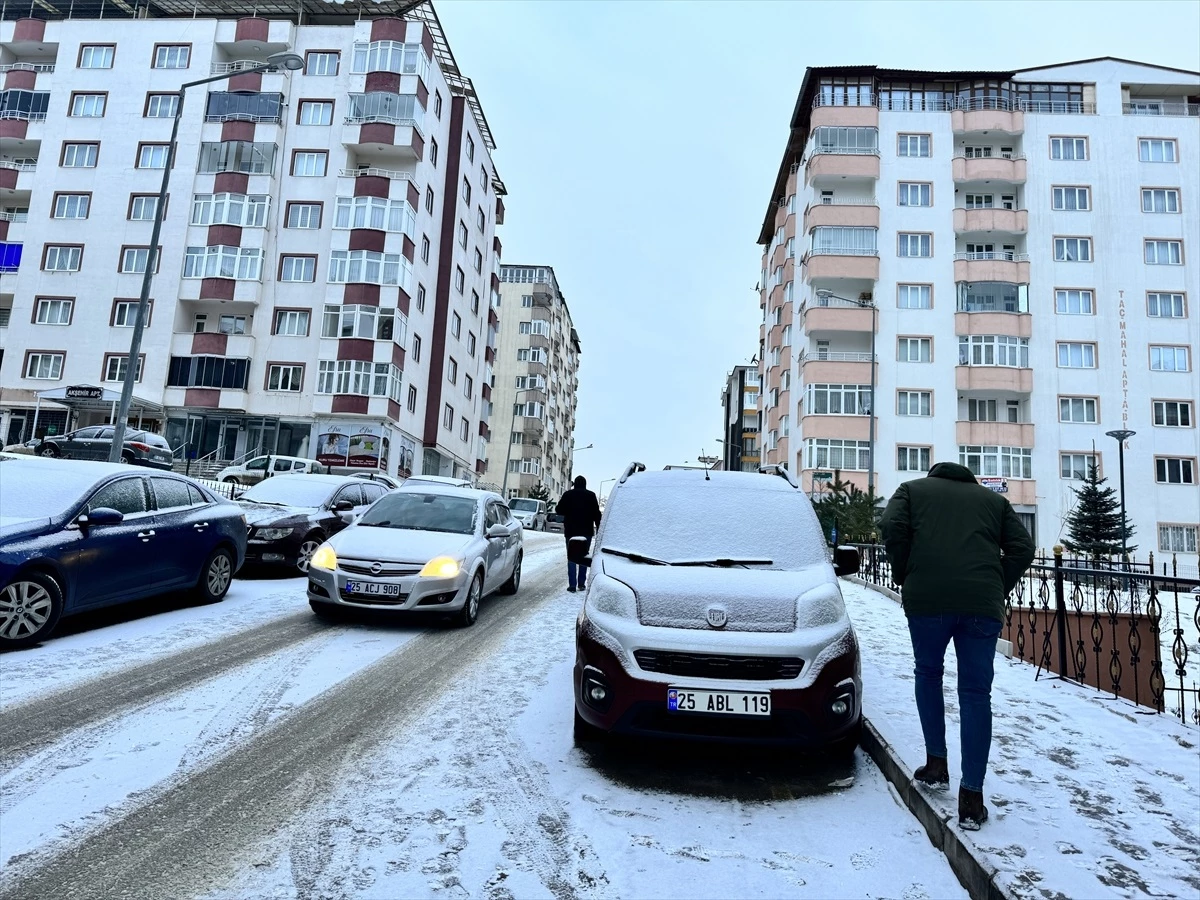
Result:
pixel 952 472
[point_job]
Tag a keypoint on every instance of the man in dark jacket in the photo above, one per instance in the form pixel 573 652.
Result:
pixel 581 517
pixel 957 549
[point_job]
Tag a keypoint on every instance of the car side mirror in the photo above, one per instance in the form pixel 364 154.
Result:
pixel 102 516
pixel 497 531
pixel 343 506
pixel 845 560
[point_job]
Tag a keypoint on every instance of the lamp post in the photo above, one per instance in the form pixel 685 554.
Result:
pixel 865 304
pixel 740 452
pixel 512 427
pixel 602 484
pixel 588 447
pixel 1122 435
pixel 288 61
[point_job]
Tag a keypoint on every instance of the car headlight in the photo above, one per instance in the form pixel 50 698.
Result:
pixel 821 610
pixel 607 595
pixel 324 558
pixel 272 534
pixel 441 567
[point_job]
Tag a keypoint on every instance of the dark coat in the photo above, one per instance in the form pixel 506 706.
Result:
pixel 955 547
pixel 580 511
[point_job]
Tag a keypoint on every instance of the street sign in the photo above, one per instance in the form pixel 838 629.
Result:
pixel 84 392
pixel 999 485
pixel 822 476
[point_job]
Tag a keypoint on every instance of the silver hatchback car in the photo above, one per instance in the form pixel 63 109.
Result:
pixel 433 548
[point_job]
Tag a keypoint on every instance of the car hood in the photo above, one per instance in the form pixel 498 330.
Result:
pixel 265 514
pixel 13 527
pixel 763 600
pixel 398 545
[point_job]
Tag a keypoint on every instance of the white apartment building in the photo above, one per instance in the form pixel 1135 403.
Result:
pixel 740 420
pixel 536 383
pixel 328 254
pixel 1001 268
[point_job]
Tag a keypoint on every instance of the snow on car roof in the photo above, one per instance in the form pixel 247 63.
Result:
pixel 442 487
pixel 695 480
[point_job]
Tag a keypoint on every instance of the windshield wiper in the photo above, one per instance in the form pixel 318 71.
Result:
pixel 636 557
pixel 384 524
pixel 265 502
pixel 725 563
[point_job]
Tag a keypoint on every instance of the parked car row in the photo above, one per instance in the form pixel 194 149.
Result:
pixel 139 448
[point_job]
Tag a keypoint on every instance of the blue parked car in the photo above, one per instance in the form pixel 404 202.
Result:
pixel 76 536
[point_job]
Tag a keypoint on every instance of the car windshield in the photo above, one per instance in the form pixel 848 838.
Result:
pixel 523 505
pixel 423 512
pixel 28 491
pixel 298 490
pixel 714 523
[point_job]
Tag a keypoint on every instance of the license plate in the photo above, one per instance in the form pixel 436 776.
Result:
pixel 372 588
pixel 720 703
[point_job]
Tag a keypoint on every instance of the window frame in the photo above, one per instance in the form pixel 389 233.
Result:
pixel 322 102
pixel 1068 291
pixel 907 450
pixel 77 95
pixel 1079 239
pixel 1083 345
pixel 62 154
pixel 153 95
pixel 39 300
pixel 1187 352
pixel 1181 406
pixel 904 239
pixel 905 139
pixel 46 252
pixel 282 367
pixel 922 187
pixel 310 258
pixel 1167 193
pixel 309 55
pixel 1070 400
pixel 126 248
pixel 303 204
pixel 1173 142
pixel 1076 138
pixel 910 285
pixel 316 153
pixel 154 60
pixel 289 310
pixel 1158 295
pixel 922 397
pixel 1076 189
pixel 132 303
pixel 111 60
pixel 116 357
pixel 1158 243
pixel 28 359
pixel 1085 455
pixel 1187 466
pixel 143 146
pixel 63 195
pixel 1166 547
pixel 907 340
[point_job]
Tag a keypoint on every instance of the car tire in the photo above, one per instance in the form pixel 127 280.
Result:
pixel 127 458
pixel 514 581
pixel 230 479
pixel 49 450
pixel 466 616
pixel 308 547
pixel 585 732
pixel 30 607
pixel 215 577
pixel 327 612
pixel 843 748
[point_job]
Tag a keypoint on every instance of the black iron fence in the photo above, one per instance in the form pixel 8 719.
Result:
pixel 1129 629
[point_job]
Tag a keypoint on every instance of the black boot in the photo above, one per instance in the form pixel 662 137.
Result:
pixel 971 811
pixel 935 774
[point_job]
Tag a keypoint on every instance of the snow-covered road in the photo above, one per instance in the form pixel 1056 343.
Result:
pixel 247 750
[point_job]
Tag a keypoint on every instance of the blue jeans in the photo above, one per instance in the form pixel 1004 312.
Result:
pixel 576 570
pixel 975 647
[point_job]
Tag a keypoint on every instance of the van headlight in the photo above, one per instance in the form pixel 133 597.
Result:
pixel 611 597
pixel 441 567
pixel 324 558
pixel 819 611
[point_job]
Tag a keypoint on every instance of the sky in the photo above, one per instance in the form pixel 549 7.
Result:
pixel 639 142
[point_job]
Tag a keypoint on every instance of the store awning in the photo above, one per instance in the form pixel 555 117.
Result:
pixel 89 397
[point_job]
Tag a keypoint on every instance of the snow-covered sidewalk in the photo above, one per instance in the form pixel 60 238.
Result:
pixel 1089 796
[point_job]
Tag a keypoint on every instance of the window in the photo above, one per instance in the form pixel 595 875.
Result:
pixel 366 379
pixel 475 303
pixel 303 215
pixel 161 106
pixel 96 56
pixel 46 366
pixel 912 145
pixel 315 112
pixel 837 399
pixel 80 156
pixel 369 267
pixel 142 207
pixel 1174 470
pixel 356 321
pixel 285 378
pixel 292 322
pixel 134 260
pixel 88 106
pixel 1076 466
pixel 468 386
pixel 977 152
pixel 1073 249
pixel 915 244
pixel 391 56
pixel 71 206
pixel 993 350
pixel 456 324
pixel 448 416
pixel 1157 150
pixel 848 140
pixel 54 311
pixel 309 163
pixel 847 241
pixel 243 210
pixel 462 235
pixel 460 279
pixel 241 263
pixel 914 296
pixel 1077 409
pixel 982 411
pixel 912 459
pixel 470 149
pixel 914 403
pixel 466 190
pixel 477 261
pixel 424 248
pixel 1071 199
pixel 480 219
pixel 451 370
pixel 483 179
pixel 1177 538
pixel 416 348
pixel 830 453
pixel 172 56
pixel 62 258
pixel 1165 306
pixel 1076 356
pixel 124 313
pixel 433 152
pixel 378 213
pixel 464 429
pixel 412 399
pixel 1164 253
pixel 1169 359
pixel 231 325
pixel 1160 200
pixel 115 367
pixel 1004 462
pixel 420 298
pixel 980 201
pixel 1173 413
pixel 429 200
pixel 1068 148
pixel 470 343
pixel 247 157
pixel 321 62
pixel 915 194
pixel 153 156
pixel 437 104
pixel 298 268
pixel 914 349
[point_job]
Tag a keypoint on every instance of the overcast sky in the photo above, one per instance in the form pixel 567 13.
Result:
pixel 639 143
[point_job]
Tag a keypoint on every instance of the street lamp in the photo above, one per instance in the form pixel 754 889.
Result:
pixel 602 484
pixel 729 459
pixel 588 447
pixel 1122 435
pixel 865 304
pixel 512 427
pixel 289 61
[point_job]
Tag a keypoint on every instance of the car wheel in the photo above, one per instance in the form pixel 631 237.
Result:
pixel 215 577
pixel 30 607
pixel 229 479
pixel 585 732
pixel 48 450
pixel 326 611
pixel 307 549
pixel 466 616
pixel 127 458
pixel 843 748
pixel 514 580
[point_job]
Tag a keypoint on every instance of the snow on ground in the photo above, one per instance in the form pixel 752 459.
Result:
pixel 1089 796
pixel 487 796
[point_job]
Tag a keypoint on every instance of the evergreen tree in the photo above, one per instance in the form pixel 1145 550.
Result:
pixel 856 512
pixel 539 491
pixel 1094 525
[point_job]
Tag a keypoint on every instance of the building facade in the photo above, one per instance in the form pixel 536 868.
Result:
pixel 328 255
pixel 739 430
pixel 993 268
pixel 536 383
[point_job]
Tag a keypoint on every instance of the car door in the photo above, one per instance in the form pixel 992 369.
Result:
pixel 281 466
pixel 183 535
pixel 77 444
pixel 514 540
pixel 495 549
pixel 255 470
pixel 339 520
pixel 119 562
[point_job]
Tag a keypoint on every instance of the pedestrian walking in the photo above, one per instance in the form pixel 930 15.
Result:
pixel 956 549
pixel 581 517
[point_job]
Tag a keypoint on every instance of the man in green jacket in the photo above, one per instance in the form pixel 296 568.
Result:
pixel 956 549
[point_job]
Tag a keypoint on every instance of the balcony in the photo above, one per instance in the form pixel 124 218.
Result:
pixel 237 65
pixel 841 263
pixel 986 114
pixel 848 163
pixel 244 107
pixel 836 366
pixel 1003 265
pixel 986 221
pixel 1015 324
pixel 993 378
pixel 1160 108
pixel 1003 434
pixel 849 212
pixel 821 315
pixel 212 343
pixel 987 169
pixel 847 427
pixel 836 112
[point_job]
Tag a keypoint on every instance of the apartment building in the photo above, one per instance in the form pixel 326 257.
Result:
pixel 739 431
pixel 993 268
pixel 328 256
pixel 536 381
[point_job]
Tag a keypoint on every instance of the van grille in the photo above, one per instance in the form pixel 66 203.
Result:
pixel 707 665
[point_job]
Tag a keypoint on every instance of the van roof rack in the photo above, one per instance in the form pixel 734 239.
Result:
pixel 781 471
pixel 632 469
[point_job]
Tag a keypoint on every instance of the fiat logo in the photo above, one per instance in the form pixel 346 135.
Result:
pixel 716 616
pixel 376 568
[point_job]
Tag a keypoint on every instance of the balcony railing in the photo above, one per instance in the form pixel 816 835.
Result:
pixel 238 65
pixel 18 166
pixel 945 104
pixel 859 99
pixel 844 151
pixel 27 67
pixel 1003 255
pixel 834 303
pixel 918 104
pixel 835 356
pixel 379 173
pixel 842 251
pixel 844 201
pixel 14 217
pixel 1156 108
pixel 23 115
pixel 383 118
pixel 962 154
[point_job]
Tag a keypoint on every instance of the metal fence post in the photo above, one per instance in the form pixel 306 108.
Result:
pixel 1060 611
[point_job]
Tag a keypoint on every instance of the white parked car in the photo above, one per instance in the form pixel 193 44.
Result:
pixel 529 512
pixel 427 548
pixel 252 471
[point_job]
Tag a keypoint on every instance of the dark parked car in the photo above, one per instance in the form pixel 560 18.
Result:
pixel 391 482
pixel 290 516
pixel 76 536
pixel 141 448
